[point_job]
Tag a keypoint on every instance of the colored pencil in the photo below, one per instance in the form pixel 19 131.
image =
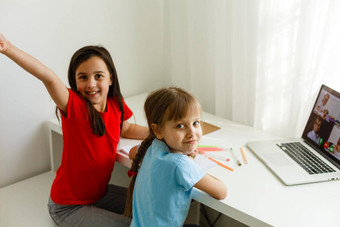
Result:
pixel 220 164
pixel 211 149
pixel 234 157
pixel 244 156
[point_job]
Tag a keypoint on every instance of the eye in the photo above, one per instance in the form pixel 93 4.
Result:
pixel 180 126
pixel 82 77
pixel 196 123
pixel 98 76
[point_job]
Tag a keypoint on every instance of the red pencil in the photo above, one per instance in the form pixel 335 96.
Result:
pixel 211 149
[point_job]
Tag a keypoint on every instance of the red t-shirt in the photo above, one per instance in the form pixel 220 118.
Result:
pixel 88 159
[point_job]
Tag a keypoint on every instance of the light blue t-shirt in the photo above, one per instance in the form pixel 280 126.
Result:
pixel 163 188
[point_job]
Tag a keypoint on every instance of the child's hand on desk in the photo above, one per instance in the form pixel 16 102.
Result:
pixel 193 154
pixel 133 152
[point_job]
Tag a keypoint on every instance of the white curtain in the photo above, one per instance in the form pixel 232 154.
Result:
pixel 257 62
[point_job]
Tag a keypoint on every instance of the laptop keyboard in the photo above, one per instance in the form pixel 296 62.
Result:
pixel 305 158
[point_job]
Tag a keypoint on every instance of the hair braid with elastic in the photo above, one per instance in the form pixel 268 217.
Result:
pixel 137 162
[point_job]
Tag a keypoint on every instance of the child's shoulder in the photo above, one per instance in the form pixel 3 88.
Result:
pixel 75 95
pixel 178 160
pixel 113 100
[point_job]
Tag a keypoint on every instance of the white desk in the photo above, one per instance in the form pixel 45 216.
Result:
pixel 255 196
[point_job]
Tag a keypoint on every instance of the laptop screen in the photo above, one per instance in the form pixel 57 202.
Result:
pixel 323 127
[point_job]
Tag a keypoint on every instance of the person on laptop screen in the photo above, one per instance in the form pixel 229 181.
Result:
pixel 321 106
pixel 337 149
pixel 327 106
pixel 314 133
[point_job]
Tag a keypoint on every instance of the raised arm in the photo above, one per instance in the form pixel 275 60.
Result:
pixel 212 186
pixel 52 82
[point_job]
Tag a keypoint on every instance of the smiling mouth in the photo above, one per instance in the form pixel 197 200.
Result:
pixel 91 93
pixel 191 142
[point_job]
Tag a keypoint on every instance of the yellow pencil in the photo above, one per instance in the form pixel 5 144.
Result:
pixel 244 156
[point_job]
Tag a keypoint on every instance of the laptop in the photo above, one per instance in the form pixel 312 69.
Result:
pixel 316 156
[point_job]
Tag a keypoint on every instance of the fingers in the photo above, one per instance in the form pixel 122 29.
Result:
pixel 2 42
pixel 2 38
pixel 193 154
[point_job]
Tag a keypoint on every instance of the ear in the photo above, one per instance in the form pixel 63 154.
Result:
pixel 157 131
pixel 111 80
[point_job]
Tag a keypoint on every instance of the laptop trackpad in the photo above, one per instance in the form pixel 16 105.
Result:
pixel 277 159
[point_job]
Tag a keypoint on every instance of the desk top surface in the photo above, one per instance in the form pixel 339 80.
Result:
pixel 256 196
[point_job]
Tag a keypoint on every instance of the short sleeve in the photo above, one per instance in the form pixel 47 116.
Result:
pixel 76 106
pixel 127 112
pixel 188 173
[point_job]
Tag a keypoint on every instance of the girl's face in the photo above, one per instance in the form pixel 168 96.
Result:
pixel 317 125
pixel 93 80
pixel 182 136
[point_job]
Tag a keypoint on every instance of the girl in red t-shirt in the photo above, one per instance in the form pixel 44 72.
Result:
pixel 94 116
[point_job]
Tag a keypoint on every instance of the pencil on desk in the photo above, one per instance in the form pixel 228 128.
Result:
pixel 244 156
pixel 211 149
pixel 218 163
pixel 234 156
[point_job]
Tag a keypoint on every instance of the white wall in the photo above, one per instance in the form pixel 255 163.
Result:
pixel 52 31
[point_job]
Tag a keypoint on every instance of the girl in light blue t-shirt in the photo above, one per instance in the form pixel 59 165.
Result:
pixel 163 172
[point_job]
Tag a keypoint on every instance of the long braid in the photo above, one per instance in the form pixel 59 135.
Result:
pixel 137 162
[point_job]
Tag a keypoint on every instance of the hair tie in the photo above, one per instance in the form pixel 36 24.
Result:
pixel 131 173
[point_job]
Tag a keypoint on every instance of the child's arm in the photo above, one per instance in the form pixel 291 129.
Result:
pixel 52 82
pixel 212 186
pixel 134 131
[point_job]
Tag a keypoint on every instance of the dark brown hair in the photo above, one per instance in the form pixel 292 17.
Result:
pixel 78 58
pixel 162 105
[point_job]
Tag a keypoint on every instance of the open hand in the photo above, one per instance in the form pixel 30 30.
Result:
pixel 3 43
